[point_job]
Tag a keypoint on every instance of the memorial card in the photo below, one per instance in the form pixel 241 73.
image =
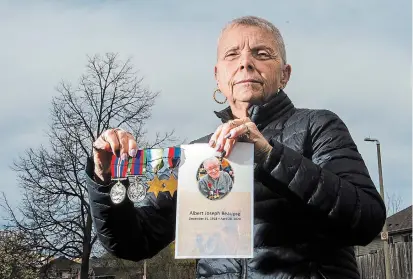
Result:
pixel 215 203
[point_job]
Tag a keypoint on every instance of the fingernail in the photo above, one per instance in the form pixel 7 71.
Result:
pixel 132 152
pixel 124 156
pixel 227 136
pixel 218 147
pixel 108 148
pixel 211 142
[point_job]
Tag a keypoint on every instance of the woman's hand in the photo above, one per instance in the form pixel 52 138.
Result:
pixel 111 142
pixel 243 129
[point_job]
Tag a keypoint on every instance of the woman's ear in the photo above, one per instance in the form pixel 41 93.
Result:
pixel 285 74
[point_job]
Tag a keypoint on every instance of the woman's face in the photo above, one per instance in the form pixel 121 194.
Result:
pixel 249 68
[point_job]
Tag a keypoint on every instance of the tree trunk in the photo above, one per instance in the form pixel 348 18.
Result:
pixel 84 268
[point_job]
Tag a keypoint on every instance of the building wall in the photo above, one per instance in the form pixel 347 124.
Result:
pixel 372 247
pixel 377 243
pixel 399 238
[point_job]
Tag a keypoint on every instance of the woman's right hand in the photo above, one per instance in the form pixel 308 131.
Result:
pixel 111 142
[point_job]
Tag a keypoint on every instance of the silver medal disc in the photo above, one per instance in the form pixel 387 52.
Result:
pixel 136 191
pixel 118 193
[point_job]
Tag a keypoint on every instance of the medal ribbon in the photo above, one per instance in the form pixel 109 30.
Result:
pixel 118 167
pixel 174 154
pixel 154 159
pixel 138 165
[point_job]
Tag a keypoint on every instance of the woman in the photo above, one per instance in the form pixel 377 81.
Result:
pixel 314 198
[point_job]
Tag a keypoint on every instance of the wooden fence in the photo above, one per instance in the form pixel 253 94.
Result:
pixel 371 266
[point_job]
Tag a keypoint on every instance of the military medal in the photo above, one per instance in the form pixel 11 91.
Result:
pixel 217 194
pixel 118 172
pixel 147 161
pixel 136 191
pixel 118 193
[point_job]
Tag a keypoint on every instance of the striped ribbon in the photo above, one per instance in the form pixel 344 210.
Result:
pixel 138 165
pixel 174 155
pixel 118 168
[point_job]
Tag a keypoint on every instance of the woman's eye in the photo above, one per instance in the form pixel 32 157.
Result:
pixel 263 54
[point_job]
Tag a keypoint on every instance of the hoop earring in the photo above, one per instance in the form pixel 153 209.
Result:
pixel 215 98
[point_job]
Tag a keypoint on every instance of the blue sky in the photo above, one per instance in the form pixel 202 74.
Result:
pixel 352 57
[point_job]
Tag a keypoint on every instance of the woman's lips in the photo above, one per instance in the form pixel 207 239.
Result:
pixel 248 81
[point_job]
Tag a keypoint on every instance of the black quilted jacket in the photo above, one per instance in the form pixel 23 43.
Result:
pixel 314 200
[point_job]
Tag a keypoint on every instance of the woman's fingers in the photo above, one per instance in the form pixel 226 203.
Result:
pixel 245 129
pixel 111 137
pixel 112 141
pixel 117 141
pixel 229 145
pixel 101 144
pixel 133 146
pixel 224 132
pixel 124 139
pixel 226 135
pixel 214 137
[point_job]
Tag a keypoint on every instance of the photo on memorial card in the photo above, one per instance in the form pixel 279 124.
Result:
pixel 215 178
pixel 220 239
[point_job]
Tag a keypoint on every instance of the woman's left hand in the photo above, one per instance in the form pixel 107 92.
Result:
pixel 243 129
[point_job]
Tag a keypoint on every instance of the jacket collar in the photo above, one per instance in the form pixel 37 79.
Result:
pixel 264 114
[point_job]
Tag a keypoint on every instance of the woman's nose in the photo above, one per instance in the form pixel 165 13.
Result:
pixel 246 62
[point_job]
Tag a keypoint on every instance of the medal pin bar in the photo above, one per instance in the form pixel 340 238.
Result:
pixel 134 170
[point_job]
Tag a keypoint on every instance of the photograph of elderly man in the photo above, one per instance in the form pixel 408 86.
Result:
pixel 216 183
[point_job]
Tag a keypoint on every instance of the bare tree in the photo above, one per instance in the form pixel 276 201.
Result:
pixel 393 203
pixel 55 208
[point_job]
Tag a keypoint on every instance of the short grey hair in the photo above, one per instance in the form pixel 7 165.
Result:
pixel 211 160
pixel 261 23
